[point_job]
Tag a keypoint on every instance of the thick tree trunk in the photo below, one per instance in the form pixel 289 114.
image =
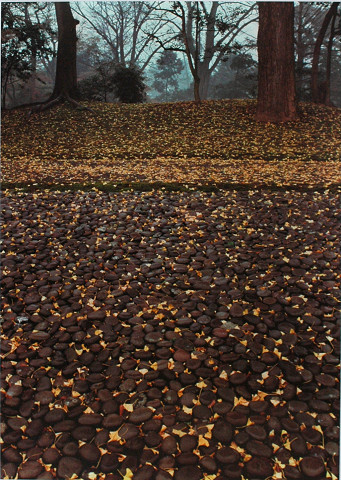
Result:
pixel 66 72
pixel 204 83
pixel 197 89
pixel 318 91
pixel 65 85
pixel 276 68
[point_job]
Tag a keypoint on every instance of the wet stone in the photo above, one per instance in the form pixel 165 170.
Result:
pixel 188 443
pixel 128 431
pixel 187 458
pixel 236 419
pixel 259 467
pixel 232 471
pixel 255 448
pixel 69 466
pixel 227 455
pixel 90 453
pixel 257 432
pixel 153 337
pixel 141 414
pixel 169 445
pixel 208 464
pixel 45 397
pixel 222 431
pixel 202 412
pixel 292 473
pixel 186 472
pixel 17 423
pixel 84 432
pixel 30 469
pixel 312 467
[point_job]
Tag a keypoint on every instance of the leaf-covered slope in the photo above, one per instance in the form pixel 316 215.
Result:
pixel 215 141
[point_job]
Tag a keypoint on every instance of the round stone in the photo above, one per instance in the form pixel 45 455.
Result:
pixel 222 431
pixel 141 414
pixel 188 443
pixel 90 453
pixel 169 445
pixel 188 472
pixel 312 467
pixel 30 469
pixel 257 432
pixel 69 466
pixel 227 455
pixel 259 467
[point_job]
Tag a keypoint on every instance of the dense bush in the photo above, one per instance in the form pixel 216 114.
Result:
pixel 128 84
pixel 125 84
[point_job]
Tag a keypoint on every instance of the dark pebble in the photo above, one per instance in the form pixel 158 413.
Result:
pixel 90 453
pixel 259 467
pixel 257 432
pixel 232 472
pixel 141 414
pixel 202 412
pixel 146 472
pixel 187 458
pixel 128 431
pixel 222 431
pixel 169 445
pixel 311 435
pixel 188 443
pixel 258 448
pixel 69 466
pixel 30 469
pixel 84 433
pixel 235 418
pixel 312 467
pixel 292 473
pixel 208 464
pixel 188 472
pixel 227 455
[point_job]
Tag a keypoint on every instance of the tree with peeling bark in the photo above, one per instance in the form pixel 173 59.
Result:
pixel 276 66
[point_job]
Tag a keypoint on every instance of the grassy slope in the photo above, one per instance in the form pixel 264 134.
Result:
pixel 211 143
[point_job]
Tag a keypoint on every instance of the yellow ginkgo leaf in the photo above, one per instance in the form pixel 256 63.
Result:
pixel 128 475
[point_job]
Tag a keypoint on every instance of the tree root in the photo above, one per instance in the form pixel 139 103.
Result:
pixel 49 104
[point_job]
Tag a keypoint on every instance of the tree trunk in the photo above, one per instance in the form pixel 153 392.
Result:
pixel 276 67
pixel 329 61
pixel 66 72
pixel 204 84
pixel 318 93
pixel 197 89
pixel 300 53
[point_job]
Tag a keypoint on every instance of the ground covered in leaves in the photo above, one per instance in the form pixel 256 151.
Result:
pixel 158 335
pixel 215 142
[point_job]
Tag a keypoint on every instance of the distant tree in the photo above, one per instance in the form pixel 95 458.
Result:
pixel 321 92
pixel 99 86
pixel 128 84
pixel 235 78
pixel 308 18
pixel 25 39
pixel 121 27
pixel 206 32
pixel 276 67
pixel 169 66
